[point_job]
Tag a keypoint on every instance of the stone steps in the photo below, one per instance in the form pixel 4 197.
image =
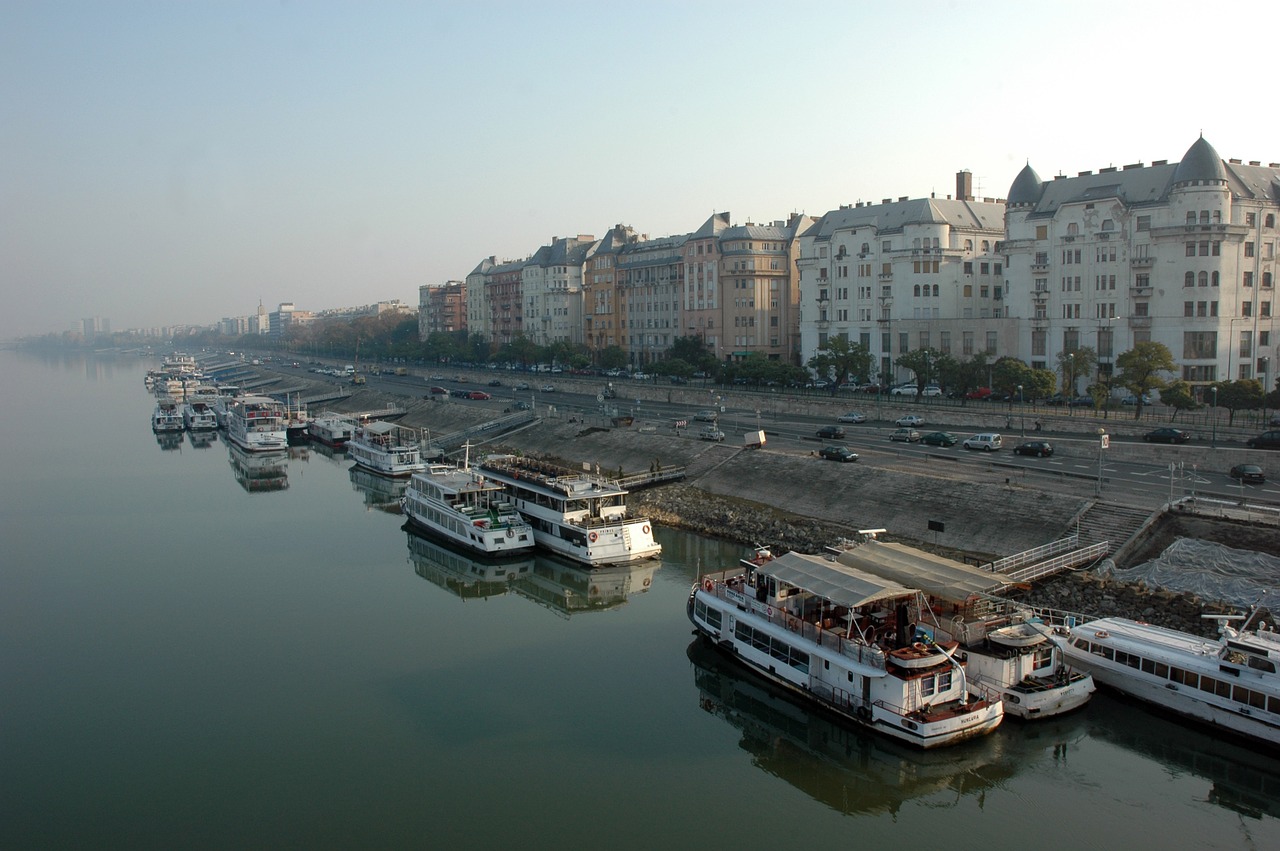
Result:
pixel 1106 521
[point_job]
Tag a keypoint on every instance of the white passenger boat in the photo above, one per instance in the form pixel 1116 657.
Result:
pixel 463 507
pixel 1009 652
pixel 256 424
pixel 197 415
pixel 831 634
pixel 1230 683
pixel 331 429
pixel 386 449
pixel 166 417
pixel 575 515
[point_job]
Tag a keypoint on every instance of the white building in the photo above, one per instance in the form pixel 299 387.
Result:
pixel 551 288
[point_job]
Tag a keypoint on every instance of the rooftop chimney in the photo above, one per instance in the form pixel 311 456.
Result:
pixel 964 185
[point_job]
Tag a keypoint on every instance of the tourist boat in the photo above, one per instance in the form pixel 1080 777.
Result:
pixel 197 415
pixel 296 421
pixel 256 424
pixel 827 632
pixel 386 449
pixel 1009 652
pixel 166 416
pixel 575 515
pixel 461 506
pixel 332 430
pixel 1230 683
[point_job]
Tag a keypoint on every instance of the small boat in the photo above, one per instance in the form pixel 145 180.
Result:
pixel 1231 683
pixel 197 415
pixel 461 506
pixel 331 429
pixel 386 449
pixel 166 417
pixel 921 654
pixel 256 424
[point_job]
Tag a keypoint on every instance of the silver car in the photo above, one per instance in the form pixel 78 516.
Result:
pixel 905 435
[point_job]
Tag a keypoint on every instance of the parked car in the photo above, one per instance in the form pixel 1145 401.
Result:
pixel 679 379
pixel 1266 440
pixel 931 390
pixel 987 441
pixel 852 417
pixel 905 390
pixel 479 395
pixel 980 393
pixel 1038 448
pixel 547 388
pixel 838 453
pixel 905 435
pixel 1167 435
pixel 831 432
pixel 523 385
pixel 711 433
pixel 706 416
pixel 909 420
pixel 1133 400
pixel 522 405
pixel 1082 402
pixel 940 438
pixel 438 391
pixel 1056 399
pixel 495 383
pixel 1249 474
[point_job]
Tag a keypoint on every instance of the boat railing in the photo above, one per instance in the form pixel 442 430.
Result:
pixel 725 584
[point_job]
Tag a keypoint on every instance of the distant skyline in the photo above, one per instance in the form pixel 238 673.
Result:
pixel 174 163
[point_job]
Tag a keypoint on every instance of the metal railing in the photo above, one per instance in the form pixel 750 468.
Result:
pixel 1050 549
pixel 1060 563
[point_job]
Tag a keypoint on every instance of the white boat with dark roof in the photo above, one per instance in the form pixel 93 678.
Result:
pixel 460 505
pixel 1229 683
pixel 166 417
pixel 256 424
pixel 386 449
pixel 575 515
pixel 198 415
pixel 832 635
pixel 331 429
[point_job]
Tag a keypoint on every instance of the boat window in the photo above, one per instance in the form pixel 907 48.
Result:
pixel 1108 653
pixel 1043 658
pixel 1255 699
pixel 1273 705
pixel 713 618
pixel 1187 678
pixel 1209 684
pixel 1148 666
pixel 1260 664
pixel 928 686
pixel 944 681
pixel 1162 670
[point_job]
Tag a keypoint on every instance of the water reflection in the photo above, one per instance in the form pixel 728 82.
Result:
pixel 557 585
pixel 258 472
pixel 169 440
pixel 329 453
pixel 381 493
pixel 202 439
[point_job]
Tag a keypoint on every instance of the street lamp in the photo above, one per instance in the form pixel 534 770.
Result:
pixel 1104 442
pixel 1022 412
pixel 1071 383
pixel 1213 443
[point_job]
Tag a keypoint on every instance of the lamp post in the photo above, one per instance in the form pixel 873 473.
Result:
pixel 1266 362
pixel 1022 412
pixel 1071 382
pixel 1213 442
pixel 1104 442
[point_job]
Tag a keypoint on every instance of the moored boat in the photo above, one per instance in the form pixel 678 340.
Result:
pixel 575 515
pixel 197 415
pixel 828 633
pixel 386 449
pixel 331 429
pixel 256 424
pixel 461 506
pixel 166 417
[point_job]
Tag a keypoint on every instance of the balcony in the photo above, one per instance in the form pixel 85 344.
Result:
pixel 886 276
pixel 1139 321
pixel 1141 262
pixel 1038 265
pixel 1140 292
pixel 1040 295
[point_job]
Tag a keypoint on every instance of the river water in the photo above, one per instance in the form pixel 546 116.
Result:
pixel 199 652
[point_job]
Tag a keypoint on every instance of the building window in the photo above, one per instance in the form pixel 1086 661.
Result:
pixel 1204 279
pixel 1266 280
pixel 1248 279
pixel 1144 223
pixel 1248 249
pixel 1188 309
pixel 1042 231
pixel 1264 308
pixel 1189 279
pixel 1246 308
pixel 1191 249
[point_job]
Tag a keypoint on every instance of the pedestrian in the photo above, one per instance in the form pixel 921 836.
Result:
pixel 1039 425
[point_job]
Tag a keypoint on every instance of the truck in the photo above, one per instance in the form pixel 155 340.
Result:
pixel 401 370
pixel 753 440
pixel 349 369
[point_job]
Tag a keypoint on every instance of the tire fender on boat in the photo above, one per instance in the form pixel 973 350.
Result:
pixel 1102 633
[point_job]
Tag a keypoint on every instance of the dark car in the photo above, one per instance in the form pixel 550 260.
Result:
pixel 1038 448
pixel 1266 440
pixel 1082 402
pixel 838 453
pixel 940 438
pixel 438 391
pixel 1167 435
pixel 1249 473
pixel 1056 399
pixel 831 432
pixel 495 383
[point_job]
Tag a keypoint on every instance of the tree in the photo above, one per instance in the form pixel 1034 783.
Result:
pixel 1243 395
pixel 1177 395
pixel 1139 370
pixel 612 357
pixel 921 363
pixel 1073 363
pixel 1007 373
pixel 839 359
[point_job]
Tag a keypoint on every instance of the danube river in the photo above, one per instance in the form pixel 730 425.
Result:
pixel 202 651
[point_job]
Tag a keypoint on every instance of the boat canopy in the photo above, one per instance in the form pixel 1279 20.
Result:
pixel 935 575
pixel 380 427
pixel 841 585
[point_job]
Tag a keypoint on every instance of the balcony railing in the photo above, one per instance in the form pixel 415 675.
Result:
pixel 886 276
pixel 1139 321
pixel 1141 261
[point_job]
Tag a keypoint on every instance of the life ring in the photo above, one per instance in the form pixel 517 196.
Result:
pixel 769 610
pixel 645 528
pixel 707 584
pixel 1102 633
pixel 647 580
pixel 864 713
pixel 511 533
pixel 919 647
pixel 593 537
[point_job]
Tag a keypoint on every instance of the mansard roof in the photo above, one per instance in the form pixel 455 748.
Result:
pixel 895 215
pixel 1201 162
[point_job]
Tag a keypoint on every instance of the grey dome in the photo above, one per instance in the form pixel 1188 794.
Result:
pixel 1201 162
pixel 1026 187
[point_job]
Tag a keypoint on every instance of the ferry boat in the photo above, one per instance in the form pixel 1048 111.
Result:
pixel 386 449
pixel 1010 653
pixel 1230 683
pixel 166 416
pixel 331 429
pixel 575 515
pixel 296 421
pixel 197 415
pixel 834 636
pixel 461 506
pixel 256 424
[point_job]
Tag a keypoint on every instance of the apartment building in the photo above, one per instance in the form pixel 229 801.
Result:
pixel 503 296
pixel 551 288
pixel 649 283
pixel 759 303
pixel 1177 253
pixel 479 317
pixel 602 315
pixel 701 299
pixel 442 308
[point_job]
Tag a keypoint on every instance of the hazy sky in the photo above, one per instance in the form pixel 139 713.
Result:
pixel 175 162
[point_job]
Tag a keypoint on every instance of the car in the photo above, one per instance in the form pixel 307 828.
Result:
pixel 910 420
pixel 1266 440
pixel 905 435
pixel 640 376
pixel 1167 435
pixel 940 438
pixel 980 393
pixel 987 441
pixel 706 416
pixel 495 383
pixel 1274 421
pixel 1038 448
pixel 931 390
pixel 460 393
pixel 1249 474
pixel 852 417
pixel 838 453
pixel 522 405
pixel 679 379
pixel 905 390
pixel 478 395
pixel 711 433
pixel 831 432
pixel 523 385
pixel 547 388
pixel 1133 400
pixel 1056 399
pixel 1082 402
pixel 438 391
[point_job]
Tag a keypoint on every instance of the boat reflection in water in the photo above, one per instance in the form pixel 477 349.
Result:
pixel 338 455
pixel 381 493
pixel 856 771
pixel 258 472
pixel 202 439
pixel 544 579
pixel 460 574
pixel 169 440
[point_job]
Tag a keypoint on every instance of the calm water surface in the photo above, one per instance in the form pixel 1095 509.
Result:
pixel 200 652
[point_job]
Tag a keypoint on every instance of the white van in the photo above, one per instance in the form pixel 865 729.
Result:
pixel 987 442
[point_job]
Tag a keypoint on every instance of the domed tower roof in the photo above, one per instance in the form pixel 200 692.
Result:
pixel 1201 162
pixel 1026 187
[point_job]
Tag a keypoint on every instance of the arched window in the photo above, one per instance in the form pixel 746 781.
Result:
pixel 1217 217
pixel 1108 224
pixel 1204 217
pixel 986 246
pixel 937 243
pixel 1214 279
pixel 1204 279
pixel 1189 280
pixel 1271 220
pixel 1191 217
pixel 1073 229
pixel 917 290
pixel 1266 277
pixel 866 248
pixel 968 245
